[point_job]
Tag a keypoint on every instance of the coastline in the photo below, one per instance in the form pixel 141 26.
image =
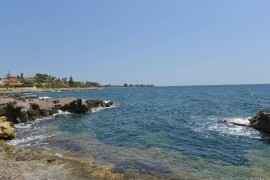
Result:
pixel 37 162
pixel 33 90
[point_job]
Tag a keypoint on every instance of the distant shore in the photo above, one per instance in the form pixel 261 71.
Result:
pixel 33 90
pixel 22 90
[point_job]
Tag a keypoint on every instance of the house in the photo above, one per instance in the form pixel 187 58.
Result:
pixel 13 82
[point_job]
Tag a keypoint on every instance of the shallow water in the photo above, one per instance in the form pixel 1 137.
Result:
pixel 174 132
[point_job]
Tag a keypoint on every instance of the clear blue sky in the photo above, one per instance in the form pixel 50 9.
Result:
pixel 164 42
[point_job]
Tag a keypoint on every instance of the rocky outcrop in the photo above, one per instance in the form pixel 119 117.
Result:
pixel 18 110
pixel 261 121
pixel 76 106
pixel 6 130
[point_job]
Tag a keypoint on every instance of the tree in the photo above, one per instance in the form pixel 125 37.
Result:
pixel 22 76
pixel 8 75
pixel 7 85
pixel 41 78
pixel 71 83
pixel 71 79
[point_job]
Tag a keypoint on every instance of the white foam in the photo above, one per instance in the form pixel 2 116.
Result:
pixel 243 121
pixel 61 113
pixel 26 141
pixel 101 108
pixel 22 125
pixel 44 97
pixel 230 129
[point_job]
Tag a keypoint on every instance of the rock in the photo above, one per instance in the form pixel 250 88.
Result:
pixel 13 112
pixel 108 104
pixel 77 106
pixel 92 104
pixel 6 131
pixel 20 110
pixel 3 119
pixel 261 121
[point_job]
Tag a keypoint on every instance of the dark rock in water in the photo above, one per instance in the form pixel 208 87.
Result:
pixel 91 104
pixel 76 106
pixel 108 104
pixel 143 168
pixel 261 121
pixel 67 144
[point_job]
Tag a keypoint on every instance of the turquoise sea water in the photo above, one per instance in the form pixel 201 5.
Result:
pixel 173 132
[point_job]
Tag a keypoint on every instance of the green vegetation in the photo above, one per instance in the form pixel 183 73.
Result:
pixel 44 81
pixel 47 81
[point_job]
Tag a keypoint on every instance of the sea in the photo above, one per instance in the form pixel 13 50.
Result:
pixel 170 132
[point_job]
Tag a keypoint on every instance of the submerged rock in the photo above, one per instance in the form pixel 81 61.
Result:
pixel 261 121
pixel 6 131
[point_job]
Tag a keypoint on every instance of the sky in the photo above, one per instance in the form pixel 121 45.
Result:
pixel 161 42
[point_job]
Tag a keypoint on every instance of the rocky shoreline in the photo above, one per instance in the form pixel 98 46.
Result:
pixel 42 163
pixel 14 110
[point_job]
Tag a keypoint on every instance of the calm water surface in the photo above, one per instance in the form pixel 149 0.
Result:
pixel 167 131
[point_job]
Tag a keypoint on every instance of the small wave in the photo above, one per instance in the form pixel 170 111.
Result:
pixel 101 108
pixel 61 113
pixel 243 121
pixel 44 97
pixel 29 140
pixel 23 125
pixel 29 125
pixel 230 129
pixel 29 95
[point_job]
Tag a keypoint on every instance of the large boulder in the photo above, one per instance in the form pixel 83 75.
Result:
pixel 76 106
pixel 6 130
pixel 261 121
